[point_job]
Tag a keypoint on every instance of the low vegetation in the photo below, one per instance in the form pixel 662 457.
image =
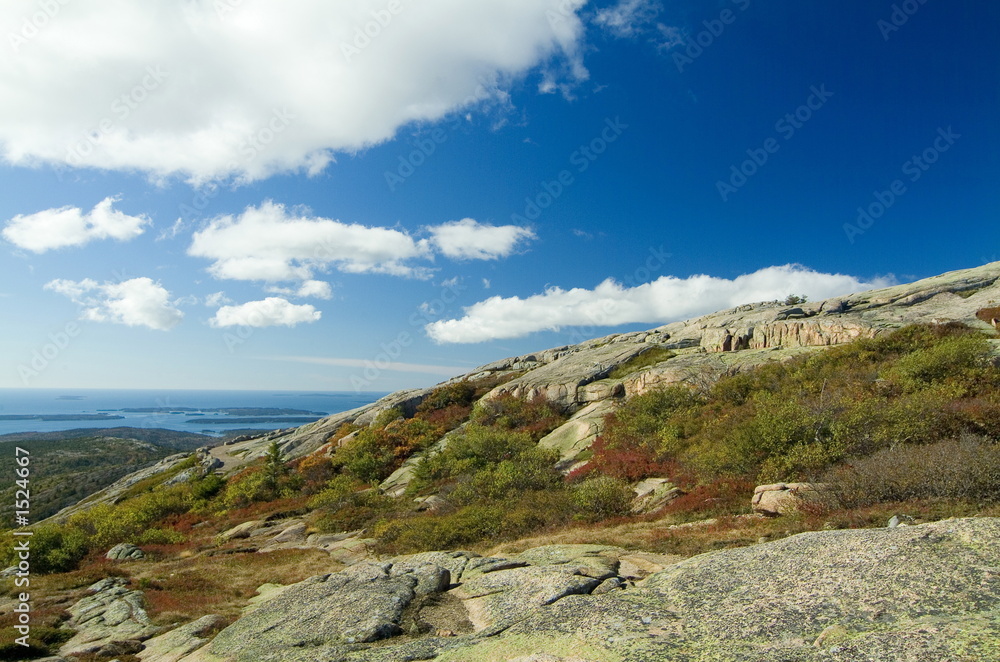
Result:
pixel 905 422
pixel 68 470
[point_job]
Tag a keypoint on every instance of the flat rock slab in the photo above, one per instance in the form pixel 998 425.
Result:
pixel 498 599
pixel 113 613
pixel 324 616
pixel 179 642
pixel 923 593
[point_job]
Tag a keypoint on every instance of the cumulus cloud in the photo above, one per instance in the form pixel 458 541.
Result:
pixel 280 86
pixel 135 302
pixel 271 243
pixel 627 18
pixel 272 311
pixel 468 239
pixel 71 226
pixel 666 299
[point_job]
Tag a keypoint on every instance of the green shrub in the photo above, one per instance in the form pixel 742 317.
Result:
pixel 533 469
pixel 427 533
pixel 54 548
pixel 475 524
pixel 337 493
pixel 602 497
pixel 476 449
pixel 205 488
pixel 955 358
pixel 536 416
pixel 346 510
pixel 376 452
pixel 793 420
pixel 967 468
pixel 461 393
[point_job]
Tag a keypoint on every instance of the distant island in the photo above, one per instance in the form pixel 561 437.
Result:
pixel 231 411
pixel 59 417
pixel 254 420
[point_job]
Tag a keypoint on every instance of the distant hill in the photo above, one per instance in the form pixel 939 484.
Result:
pixel 182 441
pixel 71 465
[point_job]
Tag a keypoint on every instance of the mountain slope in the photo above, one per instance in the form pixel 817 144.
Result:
pixel 704 348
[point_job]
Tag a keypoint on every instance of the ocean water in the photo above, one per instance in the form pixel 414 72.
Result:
pixel 187 411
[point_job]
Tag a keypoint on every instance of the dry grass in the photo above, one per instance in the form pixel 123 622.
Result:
pixel 675 534
pixel 183 589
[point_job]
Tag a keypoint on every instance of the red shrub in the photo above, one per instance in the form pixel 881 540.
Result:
pixel 628 463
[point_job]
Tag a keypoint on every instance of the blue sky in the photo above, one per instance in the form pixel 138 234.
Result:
pixel 244 194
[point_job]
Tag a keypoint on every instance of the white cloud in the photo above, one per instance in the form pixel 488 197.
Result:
pixel 217 299
pixel 135 302
pixel 269 243
pixel 468 239
pixel 315 288
pixel 664 300
pixel 273 244
pixel 628 17
pixel 280 86
pixel 272 311
pixel 70 226
pixel 310 288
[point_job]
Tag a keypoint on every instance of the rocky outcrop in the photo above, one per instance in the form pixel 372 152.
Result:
pixel 577 434
pixel 347 547
pixel 707 347
pixel 174 645
pixel 919 593
pixel 109 619
pixel 579 377
pixel 653 494
pixel 124 552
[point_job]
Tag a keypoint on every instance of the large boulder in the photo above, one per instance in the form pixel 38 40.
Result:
pixel 324 616
pixel 124 552
pixel 788 498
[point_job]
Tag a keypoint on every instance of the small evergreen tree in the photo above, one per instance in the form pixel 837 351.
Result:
pixel 274 467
